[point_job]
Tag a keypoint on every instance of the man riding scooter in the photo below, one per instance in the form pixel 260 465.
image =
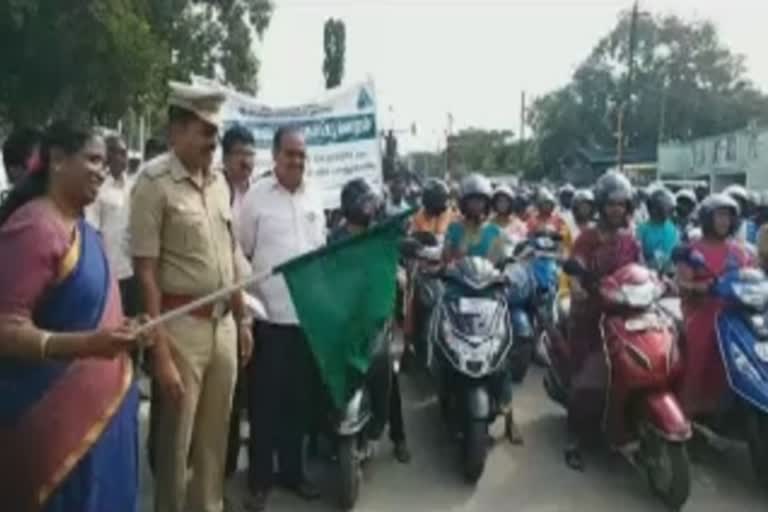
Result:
pixel 359 205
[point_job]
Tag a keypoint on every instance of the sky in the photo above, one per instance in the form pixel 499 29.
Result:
pixel 469 58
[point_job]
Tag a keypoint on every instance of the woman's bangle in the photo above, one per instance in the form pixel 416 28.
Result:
pixel 45 336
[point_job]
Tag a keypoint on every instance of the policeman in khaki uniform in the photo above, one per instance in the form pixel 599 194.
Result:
pixel 183 249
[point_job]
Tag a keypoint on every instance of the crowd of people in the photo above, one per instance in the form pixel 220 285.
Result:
pixel 91 243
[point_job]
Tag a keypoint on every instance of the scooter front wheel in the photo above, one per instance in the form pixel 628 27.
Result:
pixel 350 472
pixel 757 438
pixel 475 450
pixel 668 469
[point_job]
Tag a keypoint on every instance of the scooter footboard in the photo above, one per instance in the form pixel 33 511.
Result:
pixel 664 414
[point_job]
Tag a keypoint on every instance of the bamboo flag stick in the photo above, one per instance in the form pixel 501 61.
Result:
pixel 203 301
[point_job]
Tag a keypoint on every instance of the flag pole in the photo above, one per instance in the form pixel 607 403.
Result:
pixel 203 301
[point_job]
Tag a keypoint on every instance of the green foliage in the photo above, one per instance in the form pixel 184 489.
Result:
pixel 99 58
pixel 334 43
pixel 490 152
pixel 686 84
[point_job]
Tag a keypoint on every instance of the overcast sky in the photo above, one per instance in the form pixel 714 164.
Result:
pixel 471 58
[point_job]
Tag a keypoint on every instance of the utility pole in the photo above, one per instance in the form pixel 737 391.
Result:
pixel 625 106
pixel 522 129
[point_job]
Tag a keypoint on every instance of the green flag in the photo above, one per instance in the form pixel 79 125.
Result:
pixel 343 294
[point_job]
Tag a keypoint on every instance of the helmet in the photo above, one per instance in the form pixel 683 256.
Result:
pixel 662 199
pixel 544 195
pixel 434 197
pixel 475 185
pixel 716 202
pixel 504 191
pixel 686 194
pixel 583 195
pixel 613 186
pixel 737 192
pixel 565 194
pixel 359 202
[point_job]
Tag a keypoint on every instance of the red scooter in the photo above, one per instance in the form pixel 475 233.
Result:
pixel 641 417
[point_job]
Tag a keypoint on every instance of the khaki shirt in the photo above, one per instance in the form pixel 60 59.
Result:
pixel 188 228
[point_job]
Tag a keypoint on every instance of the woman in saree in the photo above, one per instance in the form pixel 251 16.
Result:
pixel 704 384
pixel 69 410
pixel 600 250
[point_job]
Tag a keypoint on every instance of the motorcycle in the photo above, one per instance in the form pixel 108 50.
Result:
pixel 641 417
pixel 364 418
pixel 470 337
pixel 742 336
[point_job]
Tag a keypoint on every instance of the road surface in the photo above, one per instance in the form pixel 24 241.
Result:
pixel 529 478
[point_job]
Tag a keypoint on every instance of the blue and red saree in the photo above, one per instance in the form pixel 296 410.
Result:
pixel 68 430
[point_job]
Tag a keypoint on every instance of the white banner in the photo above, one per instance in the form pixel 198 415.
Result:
pixel 340 130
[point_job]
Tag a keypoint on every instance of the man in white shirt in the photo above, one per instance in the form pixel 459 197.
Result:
pixel 110 214
pixel 281 218
pixel 238 149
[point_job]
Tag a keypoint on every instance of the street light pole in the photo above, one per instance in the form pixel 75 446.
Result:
pixel 625 105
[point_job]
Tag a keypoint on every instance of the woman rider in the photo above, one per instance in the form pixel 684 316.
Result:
pixel 600 250
pixel 659 236
pixel 472 234
pixel 704 382
pixel 69 428
pixel 502 203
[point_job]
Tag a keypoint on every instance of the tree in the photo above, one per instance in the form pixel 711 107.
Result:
pixel 490 152
pixel 334 42
pixel 99 58
pixel 686 84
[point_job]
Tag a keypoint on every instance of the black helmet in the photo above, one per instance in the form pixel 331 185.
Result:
pixel 435 195
pixel 359 202
pixel 661 199
pixel 613 187
pixel 717 202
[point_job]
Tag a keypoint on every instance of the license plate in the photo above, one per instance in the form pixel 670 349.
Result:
pixel 761 349
pixel 472 306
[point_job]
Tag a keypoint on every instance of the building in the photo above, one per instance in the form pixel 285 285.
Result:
pixel 583 166
pixel 739 157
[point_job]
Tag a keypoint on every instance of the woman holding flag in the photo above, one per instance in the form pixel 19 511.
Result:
pixel 68 418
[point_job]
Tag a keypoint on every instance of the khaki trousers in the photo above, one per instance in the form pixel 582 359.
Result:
pixel 192 436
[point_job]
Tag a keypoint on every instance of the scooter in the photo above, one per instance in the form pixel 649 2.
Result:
pixel 742 335
pixel 470 337
pixel 425 287
pixel 642 418
pixel 364 418
pixel 541 252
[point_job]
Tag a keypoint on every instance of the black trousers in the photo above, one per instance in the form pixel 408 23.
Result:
pixel 283 383
pixel 396 423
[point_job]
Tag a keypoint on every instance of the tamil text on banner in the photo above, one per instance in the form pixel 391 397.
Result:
pixel 340 130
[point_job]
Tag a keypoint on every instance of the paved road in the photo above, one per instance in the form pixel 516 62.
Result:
pixel 531 478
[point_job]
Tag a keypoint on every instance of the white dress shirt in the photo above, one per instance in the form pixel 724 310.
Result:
pixel 109 214
pixel 275 226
